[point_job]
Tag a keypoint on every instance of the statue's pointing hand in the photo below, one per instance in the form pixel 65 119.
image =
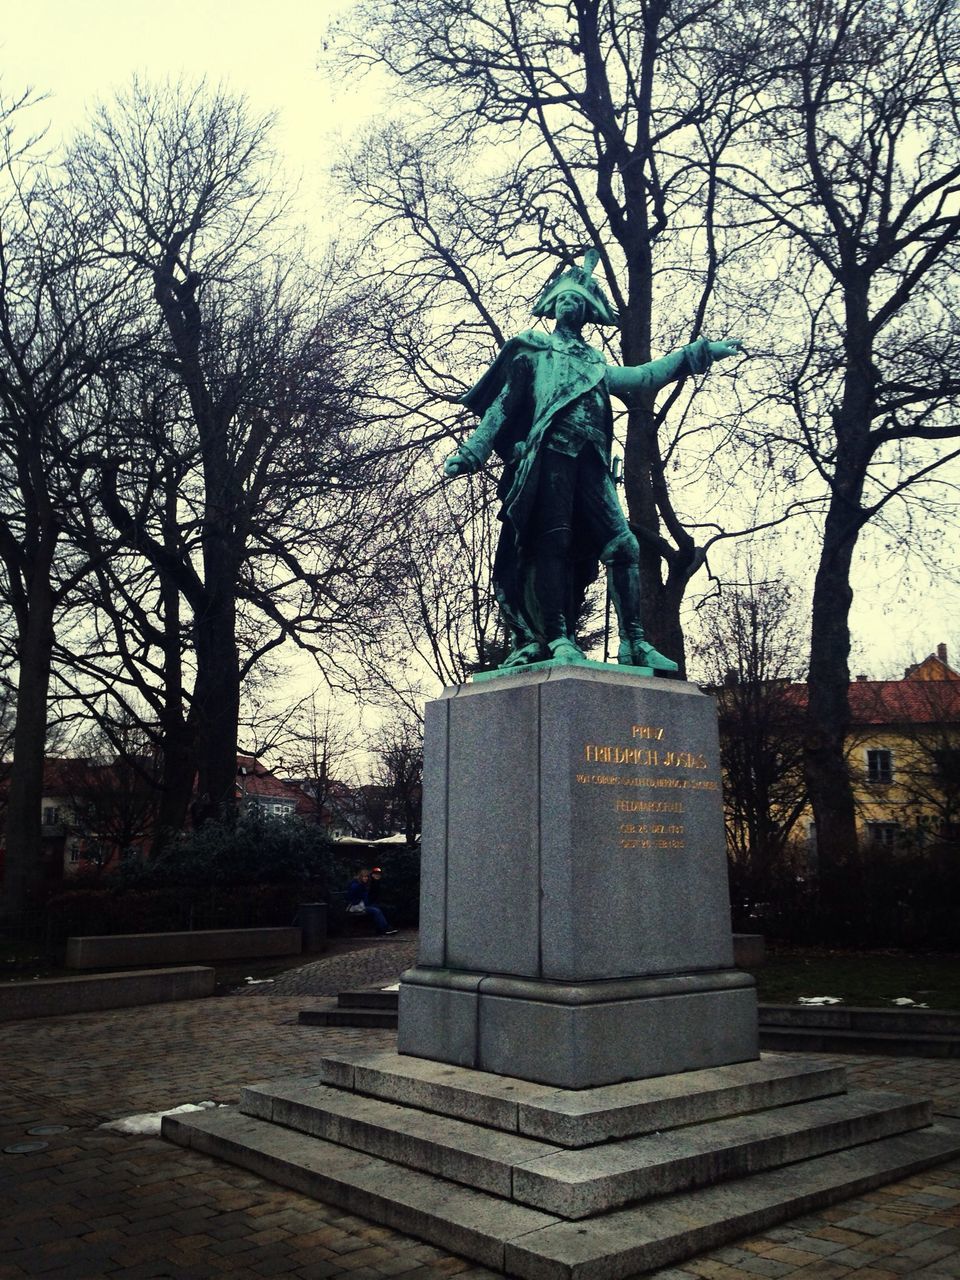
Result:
pixel 729 347
pixel 460 464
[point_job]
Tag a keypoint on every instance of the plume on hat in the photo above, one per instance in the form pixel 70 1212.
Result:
pixel 578 280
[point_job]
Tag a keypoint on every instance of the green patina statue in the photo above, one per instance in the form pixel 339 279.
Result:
pixel 544 406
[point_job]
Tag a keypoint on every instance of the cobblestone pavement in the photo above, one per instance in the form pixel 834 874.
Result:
pixel 95 1203
pixel 374 961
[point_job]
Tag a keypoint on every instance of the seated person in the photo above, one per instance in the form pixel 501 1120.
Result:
pixel 358 902
pixel 373 887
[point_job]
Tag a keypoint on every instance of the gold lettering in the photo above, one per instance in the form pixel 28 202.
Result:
pixel 648 731
pixel 684 760
pixel 643 806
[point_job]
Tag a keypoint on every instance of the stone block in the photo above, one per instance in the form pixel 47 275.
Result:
pixel 584 1117
pixel 48 997
pixel 433 838
pixel 579 1184
pixel 476 1096
pixel 633 865
pixel 528 1243
pixel 493 838
pixel 113 950
pixel 581 1046
pixel 458 1218
pixel 468 1153
pixel 440 1021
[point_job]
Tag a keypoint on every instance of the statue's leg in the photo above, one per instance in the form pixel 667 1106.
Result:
pixel 621 554
pixel 552 534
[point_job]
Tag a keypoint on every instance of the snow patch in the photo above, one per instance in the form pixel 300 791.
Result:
pixel 905 1000
pixel 148 1122
pixel 819 1000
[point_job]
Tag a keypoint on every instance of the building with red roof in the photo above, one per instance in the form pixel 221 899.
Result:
pixel 903 750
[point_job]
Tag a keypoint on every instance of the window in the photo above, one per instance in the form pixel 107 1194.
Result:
pixel 947 764
pixel 51 815
pixel 276 808
pixel 879 765
pixel 74 852
pixel 884 834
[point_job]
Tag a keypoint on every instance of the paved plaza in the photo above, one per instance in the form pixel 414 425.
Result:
pixel 99 1203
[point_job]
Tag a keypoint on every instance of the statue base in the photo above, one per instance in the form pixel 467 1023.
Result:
pixel 574 924
pixel 552 663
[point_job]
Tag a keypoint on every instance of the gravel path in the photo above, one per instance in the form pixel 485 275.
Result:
pixel 372 962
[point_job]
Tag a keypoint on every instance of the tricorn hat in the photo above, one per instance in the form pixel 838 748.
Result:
pixel 578 280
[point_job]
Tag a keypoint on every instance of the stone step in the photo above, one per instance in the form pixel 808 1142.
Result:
pixel 369 998
pixel 331 1014
pixel 532 1245
pixel 478 1157
pixel 858 1018
pixel 840 1040
pixel 577 1183
pixel 582 1117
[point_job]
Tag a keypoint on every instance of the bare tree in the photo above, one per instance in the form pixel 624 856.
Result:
pixel 312 742
pixel 274 533
pixel 61 324
pixel 750 649
pixel 111 786
pixel 853 161
pixel 400 776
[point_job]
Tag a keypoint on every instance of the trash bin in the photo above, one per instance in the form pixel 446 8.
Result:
pixel 312 919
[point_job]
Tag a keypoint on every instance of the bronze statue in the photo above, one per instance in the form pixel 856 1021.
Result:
pixel 544 408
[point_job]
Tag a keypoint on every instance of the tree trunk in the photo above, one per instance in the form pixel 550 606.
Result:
pixel 177 774
pixel 178 732
pixel 659 611
pixel 828 707
pixel 216 702
pixel 23 871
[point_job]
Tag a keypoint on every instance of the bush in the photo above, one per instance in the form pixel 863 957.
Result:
pixel 252 873
pixel 120 909
pixel 901 896
pixel 251 851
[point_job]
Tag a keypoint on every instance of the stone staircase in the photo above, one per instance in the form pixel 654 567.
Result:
pixel 370 1007
pixel 555 1184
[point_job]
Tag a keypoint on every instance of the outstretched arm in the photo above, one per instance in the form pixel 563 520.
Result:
pixel 626 381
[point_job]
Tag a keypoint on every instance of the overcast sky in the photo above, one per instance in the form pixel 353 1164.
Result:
pixel 78 50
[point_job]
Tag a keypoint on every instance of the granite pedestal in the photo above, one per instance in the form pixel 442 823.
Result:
pixel 576 948
pixel 574 922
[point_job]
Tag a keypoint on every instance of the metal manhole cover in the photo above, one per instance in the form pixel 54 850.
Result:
pixel 48 1130
pixel 25 1148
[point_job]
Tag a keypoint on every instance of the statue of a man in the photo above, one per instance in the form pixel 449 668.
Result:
pixel 544 407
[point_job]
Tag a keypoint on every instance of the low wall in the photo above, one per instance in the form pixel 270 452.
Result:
pixel 46 997
pixel 116 950
pixel 834 1017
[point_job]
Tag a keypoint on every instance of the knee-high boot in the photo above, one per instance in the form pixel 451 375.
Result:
pixel 634 649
